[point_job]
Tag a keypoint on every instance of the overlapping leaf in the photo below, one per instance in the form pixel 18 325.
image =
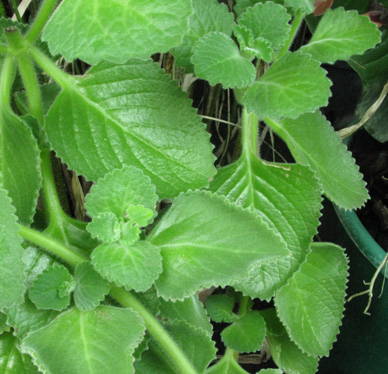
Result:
pixel 293 85
pixel 131 114
pixel 227 365
pixel 102 341
pixel 341 34
pixel 208 15
pixel 305 6
pixel 313 142
pixel 220 308
pixel 116 31
pixel 312 302
pixel 217 59
pixel 288 199
pixel 200 238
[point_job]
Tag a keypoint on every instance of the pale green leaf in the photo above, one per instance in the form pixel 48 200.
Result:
pixel 105 227
pixel 313 142
pixel 96 342
pixel 306 6
pixel 242 5
pixel 208 16
pixel 116 30
pixel 3 323
pixel 12 361
pixel 217 59
pixel 220 308
pixel 90 288
pixel 246 334
pixel 227 365
pixel 288 199
pixel 19 165
pixel 51 289
pixel 135 266
pixel 268 21
pixel 196 345
pixel 270 371
pixel 131 114
pixel 311 305
pixel 341 34
pixel 11 252
pixel 293 85
pixel 205 240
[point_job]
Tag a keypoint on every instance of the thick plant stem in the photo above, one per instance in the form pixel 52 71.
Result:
pixel 4 48
pixel 250 133
pixel 41 20
pixel 6 82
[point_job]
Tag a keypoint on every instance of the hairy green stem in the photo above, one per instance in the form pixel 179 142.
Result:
pixel 6 82
pixel 41 20
pixel 250 133
pixel 16 10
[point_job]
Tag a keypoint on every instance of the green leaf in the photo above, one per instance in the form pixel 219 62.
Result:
pixel 205 240
pixel 12 361
pixel 288 199
pixel 313 142
pixel 11 264
pixel 131 114
pixel 189 310
pixel 217 59
pixel 102 341
pixel 90 288
pixel 116 31
pixel 196 345
pixel 19 165
pixel 220 308
pixel 270 371
pixel 311 305
pixel 306 6
pixel 105 227
pixel 268 21
pixel 52 288
pixel 341 34
pixel 134 267
pixel 246 334
pixel 293 85
pixel 208 16
pixel 227 365
pixel 242 5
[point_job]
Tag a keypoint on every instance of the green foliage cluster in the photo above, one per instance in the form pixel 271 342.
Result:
pixel 118 294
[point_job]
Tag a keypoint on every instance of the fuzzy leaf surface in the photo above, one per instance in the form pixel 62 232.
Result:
pixel 19 165
pixel 131 114
pixel 288 199
pixel 341 34
pixel 11 252
pixel 293 85
pixel 116 31
pixel 311 304
pixel 217 59
pixel 135 266
pixel 270 371
pixel 90 287
pixel 313 142
pixel 102 341
pixel 306 6
pixel 208 16
pixel 227 365
pixel 268 21
pixel 220 308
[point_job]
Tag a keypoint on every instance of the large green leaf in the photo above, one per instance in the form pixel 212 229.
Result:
pixel 96 342
pixel 208 16
pixel 116 30
pixel 293 85
pixel 131 114
pixel 341 34
pixel 311 305
pixel 287 198
pixel 19 165
pixel 313 142
pixel 205 240
pixel 11 252
pixel 217 59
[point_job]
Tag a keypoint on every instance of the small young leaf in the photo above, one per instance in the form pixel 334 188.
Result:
pixel 306 6
pixel 341 34
pixel 134 267
pixel 11 264
pixel 217 59
pixel 293 85
pixel 105 227
pixel 116 31
pixel 220 308
pixel 90 287
pixel 268 21
pixel 312 303
pixel 246 334
pixel 270 371
pixel 102 341
pixel 313 142
pixel 52 288
pixel 241 5
pixel 227 365
pixel 208 16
